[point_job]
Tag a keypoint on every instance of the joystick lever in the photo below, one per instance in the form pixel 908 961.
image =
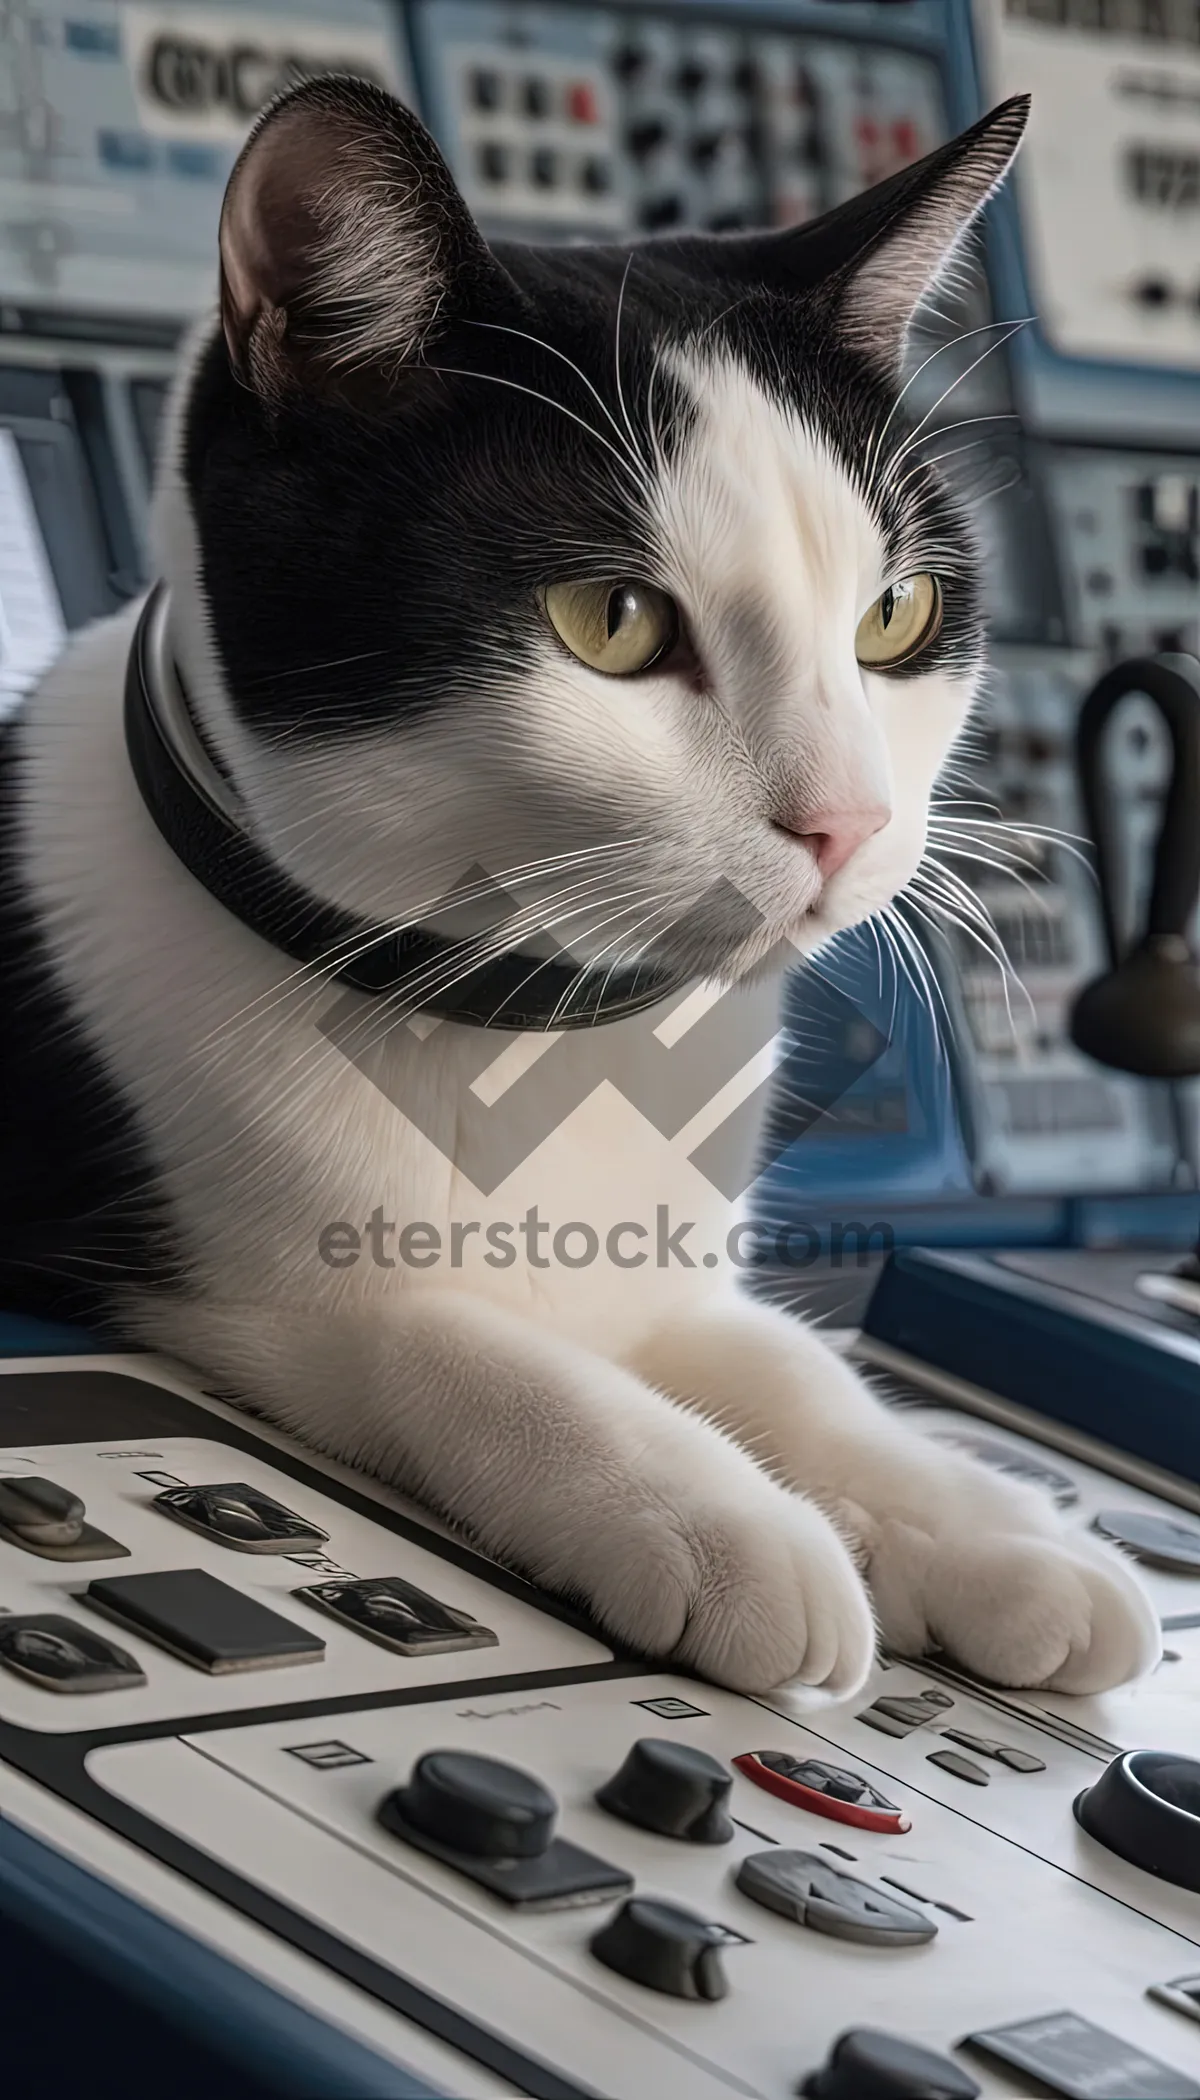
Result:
pixel 1143 1014
pixel 1145 1807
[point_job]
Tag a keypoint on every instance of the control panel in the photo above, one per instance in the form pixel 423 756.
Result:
pixel 176 1538
pixel 119 125
pixel 1128 529
pixel 1110 179
pixel 581 1873
pixel 591 121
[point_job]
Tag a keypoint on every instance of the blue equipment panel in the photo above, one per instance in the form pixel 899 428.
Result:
pixel 150 2010
pixel 1064 1334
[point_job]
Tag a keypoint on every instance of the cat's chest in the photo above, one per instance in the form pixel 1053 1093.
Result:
pixel 531 1183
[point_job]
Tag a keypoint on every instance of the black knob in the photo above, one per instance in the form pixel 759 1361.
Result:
pixel 475 1805
pixel 865 2064
pixel 628 62
pixel 665 1948
pixel 706 147
pixel 1145 1807
pixel 645 137
pixel 671 1788
pixel 40 1511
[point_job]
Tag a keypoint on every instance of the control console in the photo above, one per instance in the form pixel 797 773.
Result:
pixel 572 1872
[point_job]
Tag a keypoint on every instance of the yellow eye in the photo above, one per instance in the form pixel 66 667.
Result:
pixel 619 628
pixel 900 624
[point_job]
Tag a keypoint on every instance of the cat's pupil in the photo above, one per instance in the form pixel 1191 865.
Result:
pixel 887 606
pixel 618 607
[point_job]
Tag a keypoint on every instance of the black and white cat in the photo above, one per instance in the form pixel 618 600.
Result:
pixel 613 574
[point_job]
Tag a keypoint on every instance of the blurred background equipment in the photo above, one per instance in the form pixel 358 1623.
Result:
pixel 118 126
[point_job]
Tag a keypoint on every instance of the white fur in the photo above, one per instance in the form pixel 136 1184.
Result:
pixel 707 1474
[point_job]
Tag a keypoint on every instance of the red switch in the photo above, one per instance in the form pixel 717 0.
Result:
pixel 906 140
pixel 581 103
pixel 825 1790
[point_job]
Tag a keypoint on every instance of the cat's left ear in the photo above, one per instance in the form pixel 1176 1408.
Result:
pixel 881 253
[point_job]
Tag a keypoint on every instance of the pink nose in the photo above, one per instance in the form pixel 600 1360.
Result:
pixel 835 835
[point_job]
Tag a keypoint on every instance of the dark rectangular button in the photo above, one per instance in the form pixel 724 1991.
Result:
pixel 982 1744
pixel 60 1655
pixel 203 1621
pixel 884 1722
pixel 1082 2062
pixel 398 1615
pixel 913 1712
pixel 1003 1753
pixel 960 1767
pixel 487 88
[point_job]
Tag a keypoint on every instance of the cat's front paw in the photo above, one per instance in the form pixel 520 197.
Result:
pixel 751 1595
pixel 1048 1608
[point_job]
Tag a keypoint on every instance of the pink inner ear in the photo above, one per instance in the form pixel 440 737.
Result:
pixel 269 233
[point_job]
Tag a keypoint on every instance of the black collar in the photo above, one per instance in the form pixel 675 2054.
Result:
pixel 196 808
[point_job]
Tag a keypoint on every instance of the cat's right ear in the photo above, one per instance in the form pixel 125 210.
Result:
pixel 344 242
pixel 877 256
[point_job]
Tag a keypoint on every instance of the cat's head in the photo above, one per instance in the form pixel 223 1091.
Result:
pixel 612 571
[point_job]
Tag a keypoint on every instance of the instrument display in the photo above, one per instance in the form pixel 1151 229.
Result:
pixel 1109 179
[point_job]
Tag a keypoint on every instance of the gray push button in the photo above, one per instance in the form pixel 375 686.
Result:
pixel 495 1823
pixel 39 1511
pixel 242 1517
pixel 867 2064
pixel 804 1887
pixel 664 1947
pixel 398 1615
pixel 60 1655
pixel 43 1518
pixel 204 1622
